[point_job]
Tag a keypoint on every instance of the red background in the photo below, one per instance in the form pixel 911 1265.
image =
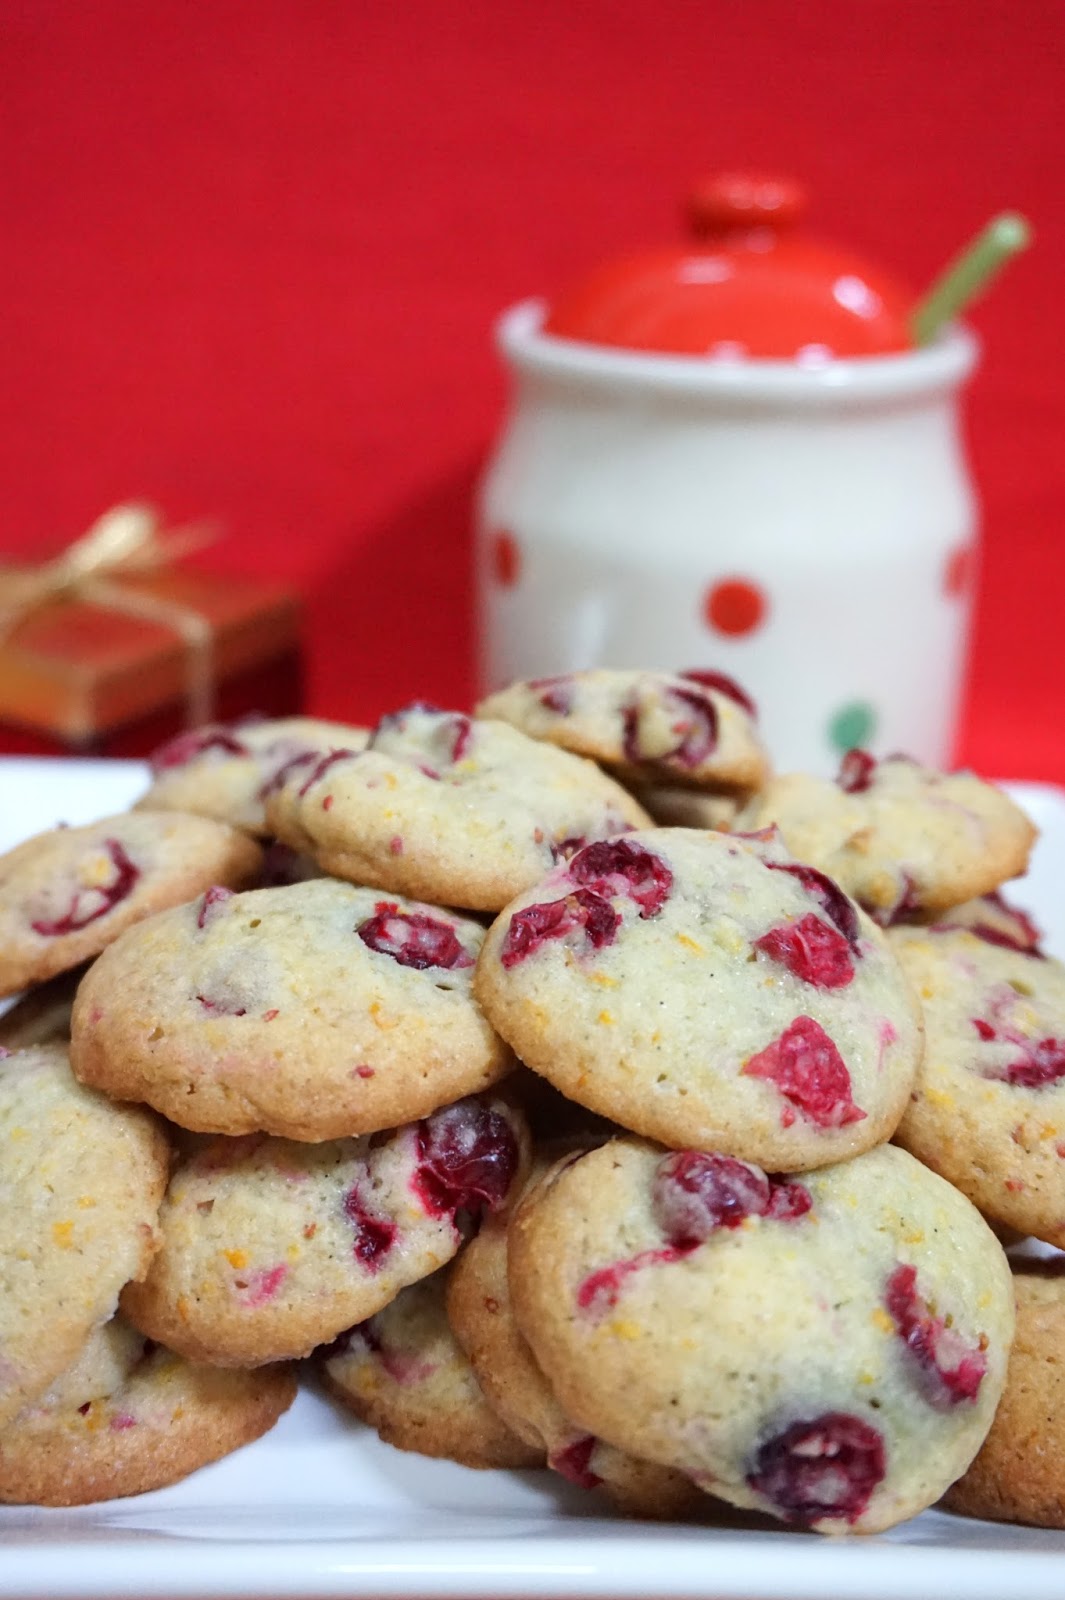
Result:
pixel 254 248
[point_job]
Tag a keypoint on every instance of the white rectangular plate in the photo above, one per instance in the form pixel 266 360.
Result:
pixel 321 1508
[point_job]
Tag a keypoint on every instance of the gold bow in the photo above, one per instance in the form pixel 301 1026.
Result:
pixel 125 540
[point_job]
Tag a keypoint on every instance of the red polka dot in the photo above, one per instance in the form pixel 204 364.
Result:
pixel 506 559
pixel 959 571
pixel 735 606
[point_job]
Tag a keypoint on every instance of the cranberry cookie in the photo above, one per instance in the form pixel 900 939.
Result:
pixel 1019 1474
pixel 312 1012
pixel 829 1348
pixel 454 811
pixel 227 772
pixel 66 894
pixel 403 1374
pixel 481 1315
pixel 129 1417
pixel 899 837
pixel 270 1248
pixel 988 1108
pixel 648 727
pixel 707 989
pixel 80 1185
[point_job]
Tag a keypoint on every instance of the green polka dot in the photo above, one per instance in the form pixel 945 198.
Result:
pixel 852 725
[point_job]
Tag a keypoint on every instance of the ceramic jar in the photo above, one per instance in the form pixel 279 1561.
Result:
pixel 805 523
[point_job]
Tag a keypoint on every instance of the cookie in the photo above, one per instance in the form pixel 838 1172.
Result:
pixel 81 1181
pixel 313 1012
pixel 403 1373
pixel 647 727
pixel 457 812
pixel 43 1015
pixel 828 1348
pixel 482 1318
pixel 673 807
pixel 226 772
pixel 270 1248
pixel 128 1418
pixel 65 895
pixel 1019 1473
pixel 988 1109
pixel 706 989
pixel 899 837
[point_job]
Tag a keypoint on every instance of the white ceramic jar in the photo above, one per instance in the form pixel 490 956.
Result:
pixel 809 529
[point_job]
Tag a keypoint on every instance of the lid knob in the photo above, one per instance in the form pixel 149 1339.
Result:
pixel 737 202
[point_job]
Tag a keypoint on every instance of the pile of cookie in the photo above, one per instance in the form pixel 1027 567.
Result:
pixel 532 1076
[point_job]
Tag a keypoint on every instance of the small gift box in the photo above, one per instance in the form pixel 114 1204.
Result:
pixel 110 649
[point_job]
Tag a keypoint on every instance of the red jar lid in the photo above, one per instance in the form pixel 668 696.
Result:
pixel 751 283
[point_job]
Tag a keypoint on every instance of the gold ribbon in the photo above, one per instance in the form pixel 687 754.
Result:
pixel 125 540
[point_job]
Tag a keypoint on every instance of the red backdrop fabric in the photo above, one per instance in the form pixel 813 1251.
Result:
pixel 253 254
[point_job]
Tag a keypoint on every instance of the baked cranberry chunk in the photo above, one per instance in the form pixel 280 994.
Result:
pixel 572 1462
pixel 723 684
pixel 810 950
pixel 827 893
pixel 951 1369
pixel 696 1192
pixel 825 1468
pixel 374 1236
pixel 412 938
pixel 86 905
pixel 810 1074
pixel 467 1159
pixel 186 747
pixel 856 771
pixel 612 867
pixel 535 925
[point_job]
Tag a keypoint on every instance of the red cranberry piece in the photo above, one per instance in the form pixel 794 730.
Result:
pixel 462 738
pixel 695 727
pixel 1041 1061
pixel 374 1235
pixel 573 1462
pixel 531 928
pixel 555 694
pixel 467 1159
pixel 723 685
pixel 1021 934
pixel 283 772
pixel 952 1371
pixel 87 905
pixel 412 938
pixel 825 1468
pixel 829 896
pixel 198 742
pixel 810 1073
pixel 618 867
pixel 695 1193
pixel 811 950
pixel 215 896
pixel 600 1290
pixel 221 1008
pixel 788 1201
pixel 856 771
pixel 322 766
pixel 1024 940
